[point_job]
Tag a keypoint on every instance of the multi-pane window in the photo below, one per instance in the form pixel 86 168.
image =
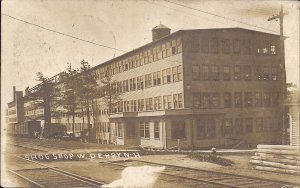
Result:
pixel 227 129
pixel 258 73
pixel 236 46
pixel 157 103
pixel 273 49
pixel 275 99
pixel 196 72
pixel 247 72
pixel 156 78
pixel 119 130
pixel 141 105
pixel 169 75
pixel 238 99
pixel 178 129
pixel 258 99
pixel 132 84
pixel 265 73
pixel 140 82
pixel 215 100
pixel 215 72
pixel 120 107
pixel 201 132
pixel 195 44
pixel 259 124
pixel 149 104
pixel 164 76
pixel 248 99
pixel 204 45
pixel 196 100
pixel 148 80
pixel 147 129
pixel 266 46
pixel 156 130
pixel 204 72
pixel 227 100
pixel 125 86
pixel 248 122
pixel 225 46
pixel 206 100
pixel 177 73
pixel 246 47
pixel 177 100
pixel 274 73
pixel 206 128
pixel 238 124
pixel 226 73
pixel 213 45
pixel 167 101
pixel 267 99
pixel 237 73
pixel 144 130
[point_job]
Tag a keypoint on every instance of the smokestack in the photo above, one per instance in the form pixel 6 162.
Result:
pixel 14 92
pixel 159 32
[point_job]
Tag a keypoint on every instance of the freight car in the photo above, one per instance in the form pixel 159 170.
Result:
pixel 55 130
pixel 25 129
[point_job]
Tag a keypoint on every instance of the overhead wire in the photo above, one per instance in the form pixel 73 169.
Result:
pixel 217 15
pixel 63 34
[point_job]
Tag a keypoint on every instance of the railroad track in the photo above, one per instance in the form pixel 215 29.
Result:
pixel 41 175
pixel 204 178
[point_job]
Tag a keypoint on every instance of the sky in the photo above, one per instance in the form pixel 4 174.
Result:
pixel 121 24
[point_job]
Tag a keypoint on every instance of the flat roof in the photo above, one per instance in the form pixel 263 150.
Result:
pixel 172 35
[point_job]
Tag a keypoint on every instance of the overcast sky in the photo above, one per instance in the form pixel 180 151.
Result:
pixel 125 25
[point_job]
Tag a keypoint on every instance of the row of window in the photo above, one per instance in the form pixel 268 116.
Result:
pixel 149 104
pixel 206 128
pixel 251 99
pixel 158 52
pixel 247 125
pixel 233 46
pixel 237 72
pixel 166 76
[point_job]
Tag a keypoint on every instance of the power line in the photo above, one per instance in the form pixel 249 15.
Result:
pixel 213 14
pixel 64 34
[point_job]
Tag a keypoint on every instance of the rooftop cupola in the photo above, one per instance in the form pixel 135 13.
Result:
pixel 160 31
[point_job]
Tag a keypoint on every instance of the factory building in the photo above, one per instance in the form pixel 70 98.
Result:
pixel 193 88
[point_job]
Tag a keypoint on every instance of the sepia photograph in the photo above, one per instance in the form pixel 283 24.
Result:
pixel 150 93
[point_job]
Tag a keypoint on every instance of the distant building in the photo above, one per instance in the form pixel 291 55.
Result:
pixel 293 108
pixel 199 88
pixel 15 113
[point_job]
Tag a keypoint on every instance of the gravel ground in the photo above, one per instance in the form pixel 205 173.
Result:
pixel 95 170
pixel 241 166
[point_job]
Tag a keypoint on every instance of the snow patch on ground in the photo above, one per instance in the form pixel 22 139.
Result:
pixel 141 176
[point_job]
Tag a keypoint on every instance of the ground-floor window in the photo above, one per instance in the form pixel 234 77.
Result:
pixel 238 126
pixel 156 130
pixel 206 128
pixel 178 129
pixel 119 129
pixel 227 127
pixel 249 125
pixel 144 130
pixel 259 124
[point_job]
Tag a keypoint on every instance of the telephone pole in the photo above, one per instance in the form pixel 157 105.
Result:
pixel 280 16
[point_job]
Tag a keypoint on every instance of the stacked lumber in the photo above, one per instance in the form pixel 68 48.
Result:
pixel 277 158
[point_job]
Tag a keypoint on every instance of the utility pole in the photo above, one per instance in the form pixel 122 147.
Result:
pixel 282 67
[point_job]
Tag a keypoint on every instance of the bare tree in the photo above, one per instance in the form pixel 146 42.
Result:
pixel 112 94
